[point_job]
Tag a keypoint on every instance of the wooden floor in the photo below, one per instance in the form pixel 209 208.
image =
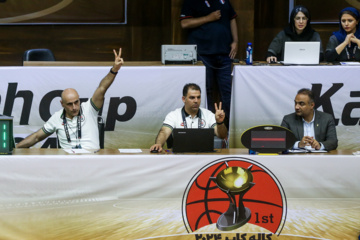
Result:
pixel 161 219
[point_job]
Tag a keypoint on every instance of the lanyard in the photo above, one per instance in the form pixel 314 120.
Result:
pixel 78 126
pixel 183 114
pixel 348 54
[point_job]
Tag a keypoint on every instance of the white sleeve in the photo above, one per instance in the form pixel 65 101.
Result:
pixel 170 120
pixel 50 126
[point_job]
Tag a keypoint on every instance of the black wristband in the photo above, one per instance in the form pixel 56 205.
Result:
pixel 113 72
pixel 220 123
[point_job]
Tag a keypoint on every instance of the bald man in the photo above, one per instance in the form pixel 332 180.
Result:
pixel 76 124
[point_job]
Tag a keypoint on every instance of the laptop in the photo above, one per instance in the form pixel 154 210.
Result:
pixel 301 53
pixel 193 140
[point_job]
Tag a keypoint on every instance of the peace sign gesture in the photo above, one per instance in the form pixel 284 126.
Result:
pixel 219 113
pixel 118 61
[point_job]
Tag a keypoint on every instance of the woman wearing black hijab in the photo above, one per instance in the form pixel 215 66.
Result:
pixel 344 45
pixel 299 29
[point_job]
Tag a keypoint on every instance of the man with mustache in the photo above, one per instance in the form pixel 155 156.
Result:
pixel 191 116
pixel 76 124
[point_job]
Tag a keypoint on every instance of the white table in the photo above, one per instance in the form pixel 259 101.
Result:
pixel 138 196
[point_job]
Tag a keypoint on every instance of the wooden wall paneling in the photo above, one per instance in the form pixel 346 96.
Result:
pixel 150 28
pixel 245 10
pixel 68 42
pixel 89 42
pixel 179 35
pixel 270 18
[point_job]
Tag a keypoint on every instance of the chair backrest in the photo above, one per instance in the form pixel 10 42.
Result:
pixel 40 54
pixel 170 141
pixel 101 126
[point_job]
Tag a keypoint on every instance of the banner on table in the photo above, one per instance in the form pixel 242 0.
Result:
pixel 166 196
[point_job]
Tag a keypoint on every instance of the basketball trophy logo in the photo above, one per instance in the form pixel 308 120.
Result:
pixel 234 181
pixel 233 192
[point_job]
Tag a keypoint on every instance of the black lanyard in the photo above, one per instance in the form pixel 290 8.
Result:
pixel 78 126
pixel 353 53
pixel 183 114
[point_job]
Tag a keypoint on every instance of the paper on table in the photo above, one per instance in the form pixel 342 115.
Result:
pixel 126 150
pixel 349 63
pixel 307 151
pixel 297 151
pixel 76 150
pixel 357 153
pixel 318 151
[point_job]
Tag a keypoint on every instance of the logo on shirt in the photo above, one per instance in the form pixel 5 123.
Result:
pixel 82 118
pixel 222 1
pixel 202 123
pixel 207 3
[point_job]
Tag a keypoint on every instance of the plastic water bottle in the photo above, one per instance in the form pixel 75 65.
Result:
pixel 249 54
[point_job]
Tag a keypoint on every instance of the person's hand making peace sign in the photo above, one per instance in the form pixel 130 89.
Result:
pixel 118 61
pixel 219 114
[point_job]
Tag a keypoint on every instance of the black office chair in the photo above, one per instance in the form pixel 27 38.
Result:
pixel 39 54
pixel 101 126
pixel 170 141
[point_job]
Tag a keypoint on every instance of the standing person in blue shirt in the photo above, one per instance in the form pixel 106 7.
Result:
pixel 212 27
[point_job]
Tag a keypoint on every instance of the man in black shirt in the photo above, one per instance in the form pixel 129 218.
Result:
pixel 212 27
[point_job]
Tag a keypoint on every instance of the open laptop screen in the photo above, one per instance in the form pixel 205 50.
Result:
pixel 193 140
pixel 304 53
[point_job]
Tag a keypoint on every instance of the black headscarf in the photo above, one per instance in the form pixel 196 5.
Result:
pixel 308 32
pixel 341 34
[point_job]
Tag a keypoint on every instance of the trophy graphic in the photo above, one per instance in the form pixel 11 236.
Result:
pixel 234 181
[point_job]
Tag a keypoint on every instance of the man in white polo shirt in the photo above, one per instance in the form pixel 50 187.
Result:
pixel 76 124
pixel 191 116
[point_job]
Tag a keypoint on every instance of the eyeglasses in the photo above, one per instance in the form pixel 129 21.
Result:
pixel 301 18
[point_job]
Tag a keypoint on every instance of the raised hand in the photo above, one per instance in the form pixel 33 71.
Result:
pixel 219 113
pixel 118 60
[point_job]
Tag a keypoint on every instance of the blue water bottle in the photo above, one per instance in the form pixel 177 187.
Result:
pixel 249 54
